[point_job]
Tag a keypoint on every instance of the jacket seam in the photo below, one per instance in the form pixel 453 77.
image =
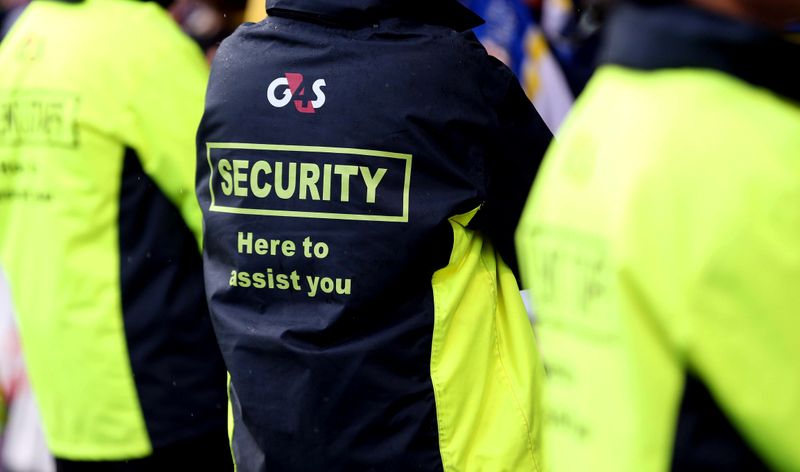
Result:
pixel 517 404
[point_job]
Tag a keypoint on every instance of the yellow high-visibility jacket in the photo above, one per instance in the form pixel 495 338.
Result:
pixel 99 226
pixel 661 243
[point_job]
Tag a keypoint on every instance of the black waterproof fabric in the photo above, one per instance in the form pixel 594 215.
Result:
pixel 203 452
pixel 344 143
pixel 355 13
pixel 700 39
pixel 167 329
pixel 705 439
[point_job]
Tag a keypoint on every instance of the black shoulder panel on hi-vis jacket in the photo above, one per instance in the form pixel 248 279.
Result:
pixel 705 439
pixel 161 284
pixel 338 171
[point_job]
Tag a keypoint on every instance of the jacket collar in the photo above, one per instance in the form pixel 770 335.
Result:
pixel 356 13
pixel 677 36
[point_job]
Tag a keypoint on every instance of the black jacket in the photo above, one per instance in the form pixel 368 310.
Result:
pixel 346 135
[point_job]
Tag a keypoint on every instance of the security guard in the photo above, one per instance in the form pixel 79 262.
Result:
pixel 362 166
pixel 99 232
pixel 660 243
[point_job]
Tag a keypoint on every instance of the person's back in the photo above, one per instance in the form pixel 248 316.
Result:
pixel 660 245
pixel 99 227
pixel 342 155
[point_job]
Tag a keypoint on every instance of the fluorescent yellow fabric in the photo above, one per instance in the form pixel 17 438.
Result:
pixel 255 11
pixel 231 424
pixel 661 237
pixel 79 83
pixel 484 365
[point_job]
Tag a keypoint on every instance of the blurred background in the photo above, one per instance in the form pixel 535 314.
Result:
pixel 549 44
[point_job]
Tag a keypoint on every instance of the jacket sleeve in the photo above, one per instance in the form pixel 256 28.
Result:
pixel 167 105
pixel 517 148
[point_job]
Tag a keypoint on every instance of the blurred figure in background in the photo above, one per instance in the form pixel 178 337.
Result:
pixel 208 22
pixel 99 236
pixel 22 444
pixel 551 45
pixel 660 244
pixel 511 34
pixel 572 29
pixel 9 12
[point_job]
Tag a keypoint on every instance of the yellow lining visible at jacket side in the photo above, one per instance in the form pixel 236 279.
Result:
pixel 485 369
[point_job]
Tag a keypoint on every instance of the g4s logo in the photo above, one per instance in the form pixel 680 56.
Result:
pixel 293 86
